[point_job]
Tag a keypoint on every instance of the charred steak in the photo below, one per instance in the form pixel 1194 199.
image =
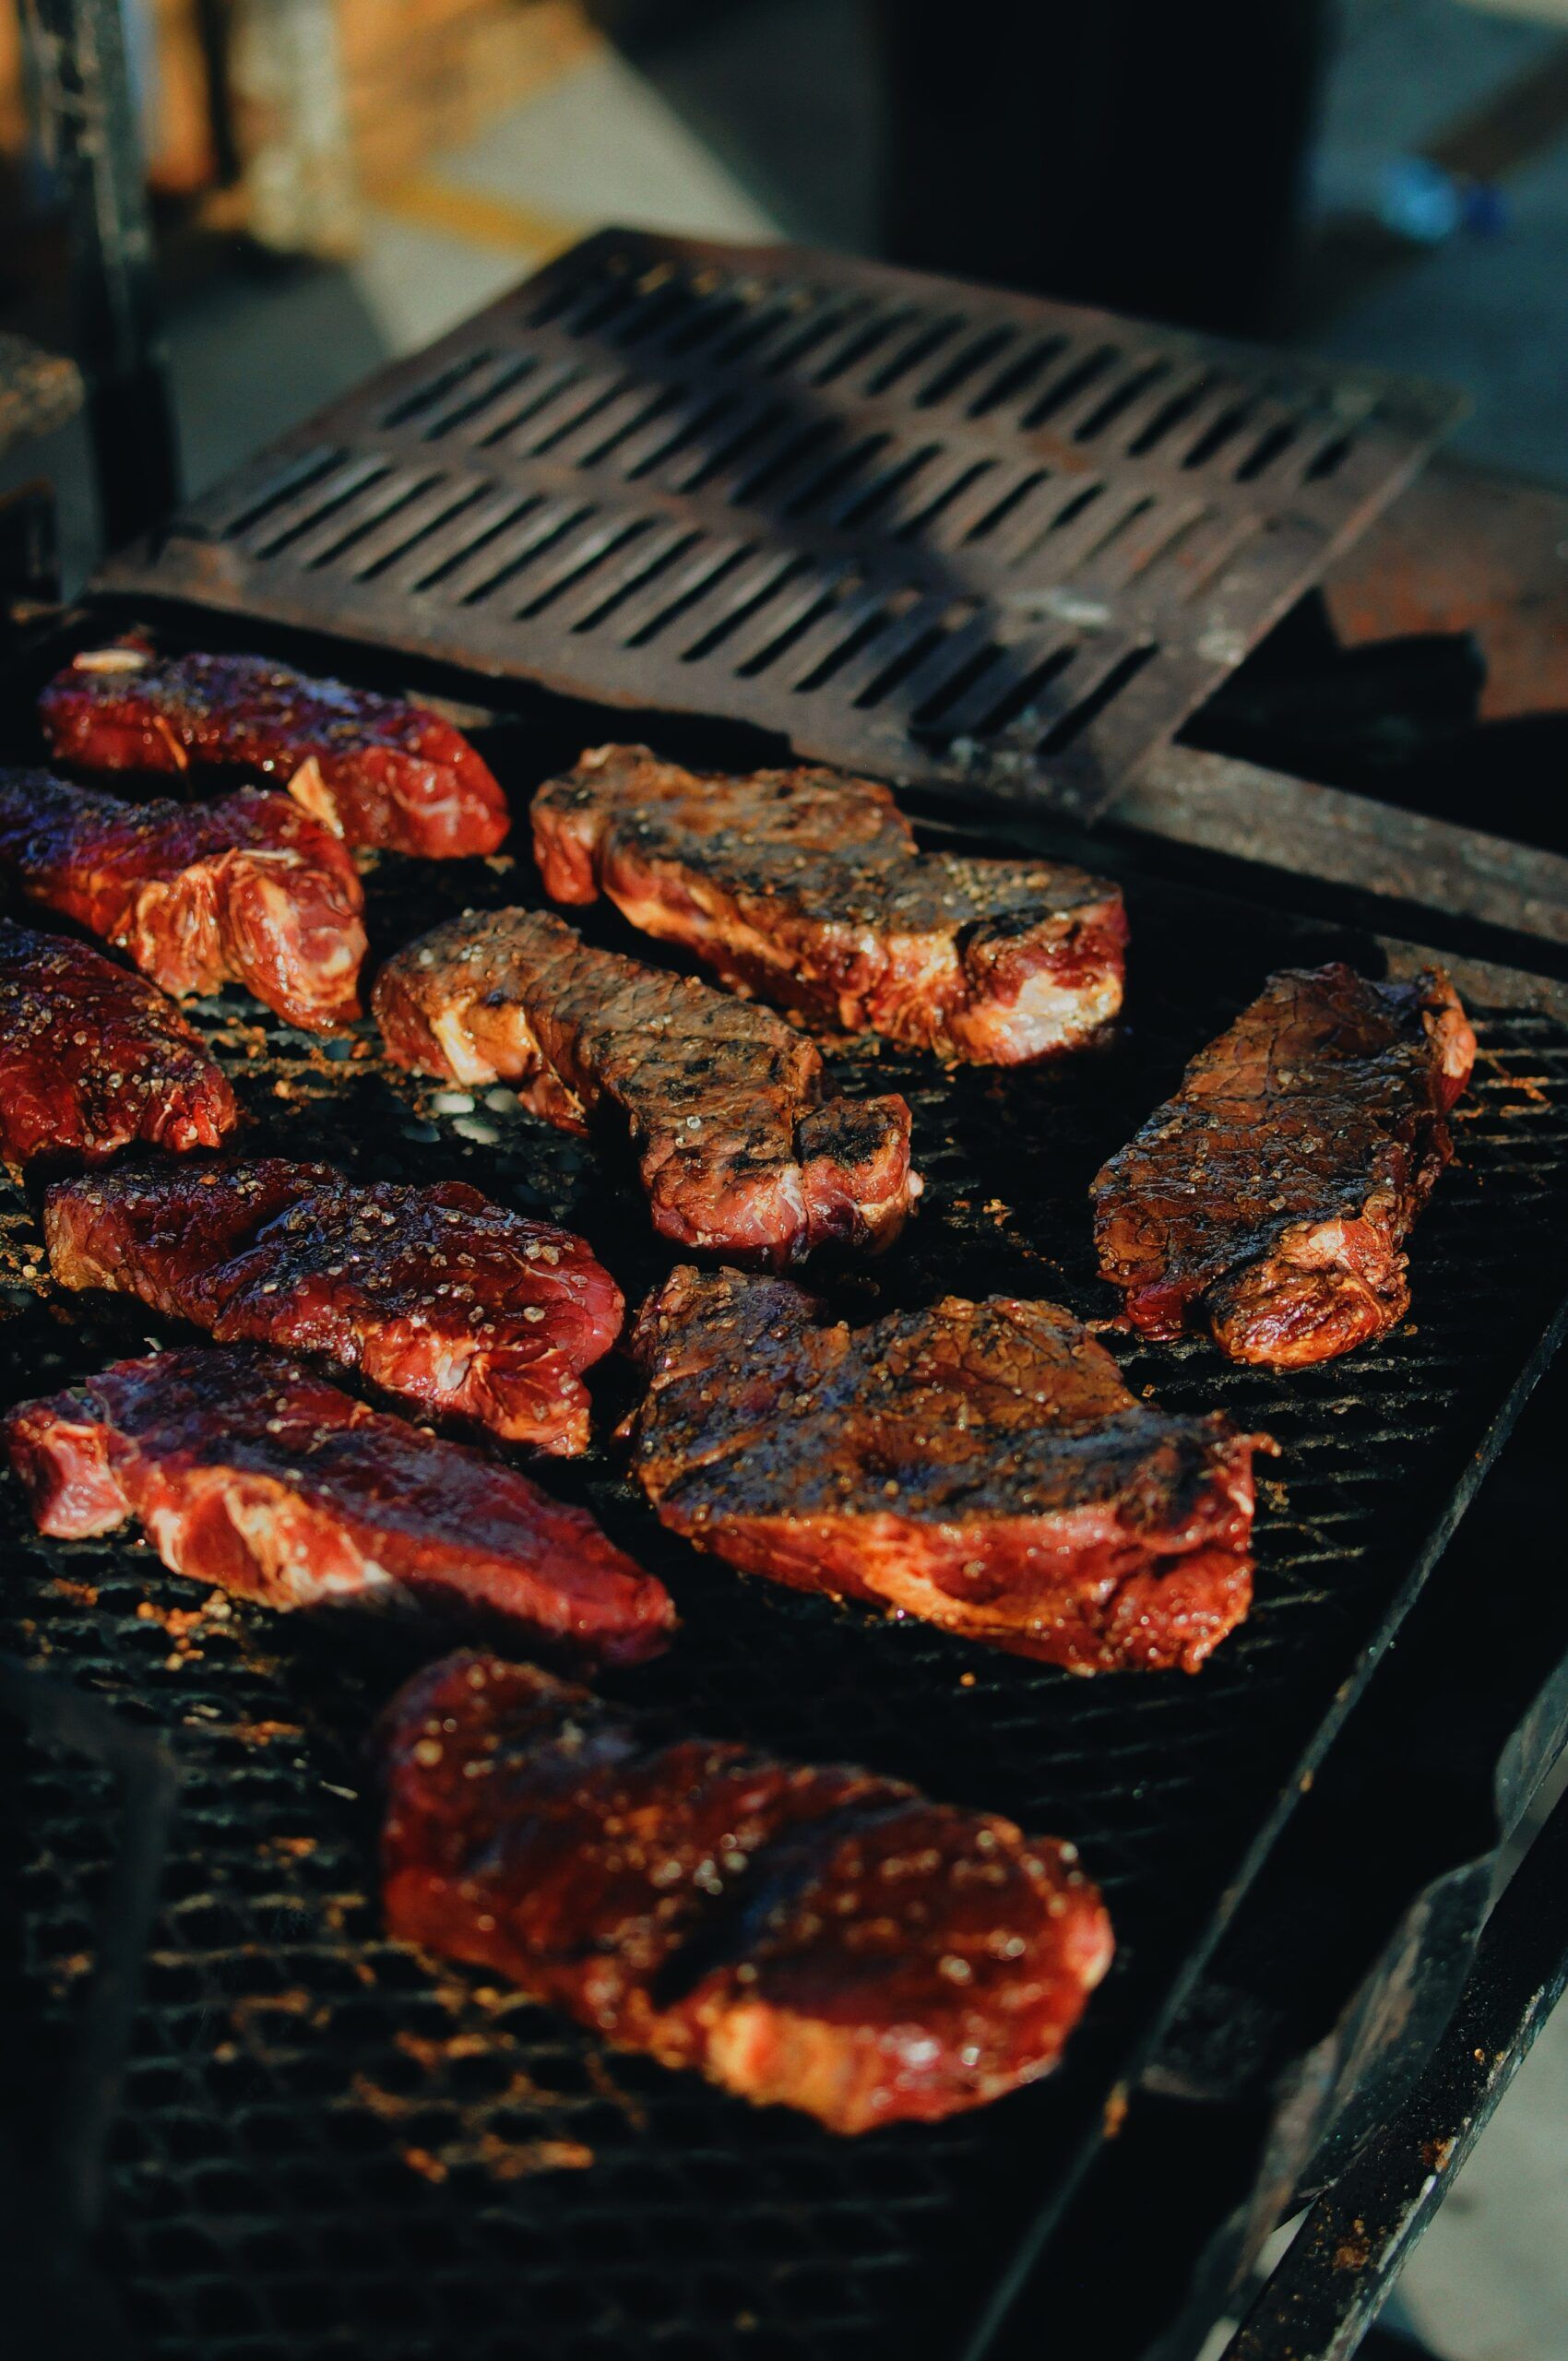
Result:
pixel 807 888
pixel 93 1056
pixel 1270 1200
pixel 438 1293
pixel 980 1465
pixel 722 1102
pixel 247 890
pixel 378 770
pixel 823 1939
pixel 245 1470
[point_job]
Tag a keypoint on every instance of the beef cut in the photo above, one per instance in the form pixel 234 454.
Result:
pixel 740 1153
pixel 807 887
pixel 437 1294
pixel 247 1471
pixel 981 1465
pixel 820 1938
pixel 93 1057
pixel 1270 1200
pixel 378 770
pixel 247 890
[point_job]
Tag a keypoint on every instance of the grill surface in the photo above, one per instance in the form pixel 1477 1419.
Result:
pixel 330 2142
pixel 947 534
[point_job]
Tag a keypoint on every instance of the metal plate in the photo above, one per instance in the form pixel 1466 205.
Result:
pixel 945 534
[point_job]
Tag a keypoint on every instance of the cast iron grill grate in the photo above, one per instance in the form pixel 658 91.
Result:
pixel 329 2142
pixel 947 534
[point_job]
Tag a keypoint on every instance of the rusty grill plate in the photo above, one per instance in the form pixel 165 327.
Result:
pixel 947 535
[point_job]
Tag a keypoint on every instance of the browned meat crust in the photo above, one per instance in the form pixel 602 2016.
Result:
pixel 807 888
pixel 980 1465
pixel 722 1102
pixel 1268 1201
pixel 437 1294
pixel 245 1470
pixel 93 1057
pixel 820 1938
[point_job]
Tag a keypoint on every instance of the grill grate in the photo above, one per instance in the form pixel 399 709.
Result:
pixel 950 535
pixel 328 2141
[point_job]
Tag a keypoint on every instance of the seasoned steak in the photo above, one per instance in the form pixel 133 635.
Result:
pixel 980 1465
pixel 722 1102
pixel 1268 1202
pixel 807 887
pixel 247 890
pixel 378 770
pixel 823 1939
pixel 247 1470
pixel 438 1294
pixel 93 1057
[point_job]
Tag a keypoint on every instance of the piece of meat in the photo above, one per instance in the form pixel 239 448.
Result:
pixel 378 770
pixel 247 1470
pixel 981 1465
pixel 807 887
pixel 722 1102
pixel 93 1056
pixel 247 890
pixel 824 1939
pixel 1268 1201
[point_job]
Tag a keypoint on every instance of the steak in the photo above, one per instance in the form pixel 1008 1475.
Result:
pixel 247 1471
pixel 823 1939
pixel 435 1294
pixel 981 1465
pixel 807 888
pixel 722 1103
pixel 376 770
pixel 1270 1200
pixel 247 890
pixel 93 1056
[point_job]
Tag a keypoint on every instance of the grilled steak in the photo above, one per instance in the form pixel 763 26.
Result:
pixel 820 1938
pixel 375 770
pixel 93 1056
pixel 739 1153
pixel 980 1465
pixel 247 890
pixel 245 1470
pixel 432 1293
pixel 1268 1201
pixel 807 888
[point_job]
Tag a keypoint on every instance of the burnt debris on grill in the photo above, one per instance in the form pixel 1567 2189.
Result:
pixel 1270 1200
pixel 821 1938
pixel 807 887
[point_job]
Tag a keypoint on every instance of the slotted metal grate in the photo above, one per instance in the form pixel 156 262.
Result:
pixel 943 533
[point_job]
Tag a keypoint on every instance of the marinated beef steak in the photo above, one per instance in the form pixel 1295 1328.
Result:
pixel 807 888
pixel 93 1056
pixel 378 770
pixel 981 1465
pixel 247 890
pixel 245 1470
pixel 823 1939
pixel 1270 1200
pixel 722 1102
pixel 438 1294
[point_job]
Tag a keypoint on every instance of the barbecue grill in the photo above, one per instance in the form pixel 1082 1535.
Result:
pixel 324 2140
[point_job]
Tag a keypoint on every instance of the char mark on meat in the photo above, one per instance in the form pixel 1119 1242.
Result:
pixel 981 1465
pixel 1269 1201
pixel 819 1938
pixel 436 1294
pixel 93 1057
pixel 247 1471
pixel 722 1102
pixel 247 890
pixel 807 888
pixel 376 770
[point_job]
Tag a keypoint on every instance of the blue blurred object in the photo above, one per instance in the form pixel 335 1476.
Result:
pixel 1410 196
